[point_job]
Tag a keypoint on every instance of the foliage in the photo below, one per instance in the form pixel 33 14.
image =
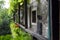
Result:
pixel 1 4
pixel 4 20
pixel 18 33
pixel 6 37
pixel 14 5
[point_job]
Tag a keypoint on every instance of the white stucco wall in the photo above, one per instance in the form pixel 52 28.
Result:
pixel 44 11
pixel 44 14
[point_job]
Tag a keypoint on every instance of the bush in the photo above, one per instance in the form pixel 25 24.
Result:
pixel 5 37
pixel 18 33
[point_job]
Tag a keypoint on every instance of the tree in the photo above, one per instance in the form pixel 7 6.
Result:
pixel 4 19
pixel 1 4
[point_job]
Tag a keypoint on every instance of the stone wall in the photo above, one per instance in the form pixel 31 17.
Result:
pixel 44 13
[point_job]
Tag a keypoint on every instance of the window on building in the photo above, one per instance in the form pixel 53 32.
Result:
pixel 34 16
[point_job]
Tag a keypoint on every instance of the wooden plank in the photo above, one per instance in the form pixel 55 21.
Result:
pixel 25 11
pixel 39 37
pixel 19 11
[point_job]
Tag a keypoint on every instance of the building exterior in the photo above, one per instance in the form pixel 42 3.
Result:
pixel 36 16
pixel 39 20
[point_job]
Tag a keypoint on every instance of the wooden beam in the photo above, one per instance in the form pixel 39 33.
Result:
pixel 25 11
pixel 19 11
pixel 37 36
pixel 30 16
pixel 14 17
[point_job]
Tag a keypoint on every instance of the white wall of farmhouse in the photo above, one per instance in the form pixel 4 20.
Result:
pixel 43 12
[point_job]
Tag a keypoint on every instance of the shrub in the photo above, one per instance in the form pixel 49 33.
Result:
pixel 18 33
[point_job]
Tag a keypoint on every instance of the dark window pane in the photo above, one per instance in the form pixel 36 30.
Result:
pixel 34 16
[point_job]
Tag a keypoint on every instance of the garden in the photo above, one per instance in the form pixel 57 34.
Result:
pixel 8 29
